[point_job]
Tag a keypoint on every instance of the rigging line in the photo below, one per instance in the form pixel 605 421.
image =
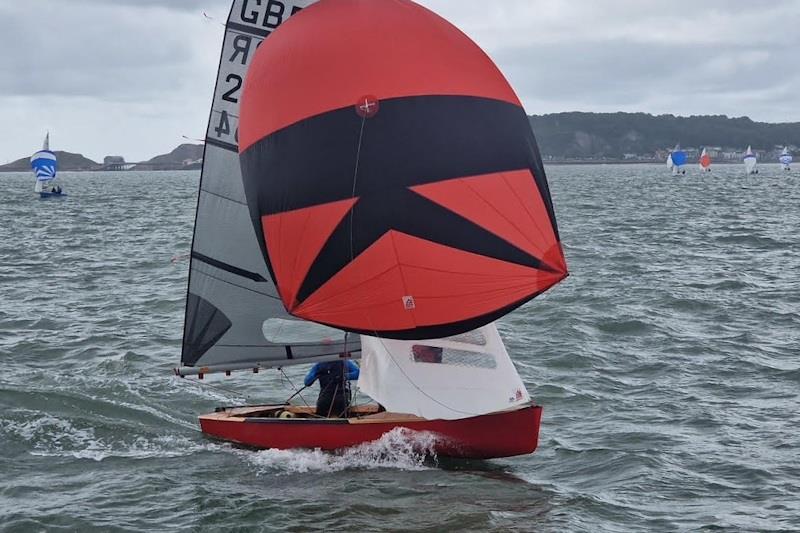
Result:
pixel 355 179
pixel 352 251
pixel 298 391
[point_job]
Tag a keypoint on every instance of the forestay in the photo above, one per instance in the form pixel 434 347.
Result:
pixel 457 377
pixel 234 317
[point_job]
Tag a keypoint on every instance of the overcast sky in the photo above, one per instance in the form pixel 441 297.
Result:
pixel 130 77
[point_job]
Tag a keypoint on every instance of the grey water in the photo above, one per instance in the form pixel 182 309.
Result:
pixel 668 366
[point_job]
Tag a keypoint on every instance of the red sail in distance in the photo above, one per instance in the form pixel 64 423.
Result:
pixel 392 174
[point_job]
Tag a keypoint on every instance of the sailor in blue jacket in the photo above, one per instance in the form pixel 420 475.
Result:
pixel 334 382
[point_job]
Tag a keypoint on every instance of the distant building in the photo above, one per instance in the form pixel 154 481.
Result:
pixel 113 160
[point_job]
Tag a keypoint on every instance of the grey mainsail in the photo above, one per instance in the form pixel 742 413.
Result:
pixel 234 317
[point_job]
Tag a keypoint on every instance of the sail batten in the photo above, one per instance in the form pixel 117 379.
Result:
pixel 231 298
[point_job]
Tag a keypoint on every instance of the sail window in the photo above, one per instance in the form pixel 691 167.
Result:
pixel 421 353
pixel 282 331
pixel 470 337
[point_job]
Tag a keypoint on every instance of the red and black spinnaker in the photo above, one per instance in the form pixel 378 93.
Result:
pixel 392 175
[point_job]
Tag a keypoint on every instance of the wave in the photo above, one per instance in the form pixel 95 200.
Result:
pixel 47 435
pixel 399 449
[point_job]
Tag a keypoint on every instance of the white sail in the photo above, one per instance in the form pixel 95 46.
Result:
pixel 750 161
pixel 670 164
pixel 234 317
pixel 457 377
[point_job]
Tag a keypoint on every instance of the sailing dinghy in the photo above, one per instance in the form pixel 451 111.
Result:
pixel 378 196
pixel 678 158
pixel 705 161
pixel 45 166
pixel 750 162
pixel 785 159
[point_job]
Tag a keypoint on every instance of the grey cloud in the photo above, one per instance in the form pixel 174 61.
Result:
pixel 150 64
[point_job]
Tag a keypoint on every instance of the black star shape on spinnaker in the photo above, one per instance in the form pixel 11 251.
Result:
pixel 403 210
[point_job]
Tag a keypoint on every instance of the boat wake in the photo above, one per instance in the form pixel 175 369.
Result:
pixel 46 435
pixel 399 449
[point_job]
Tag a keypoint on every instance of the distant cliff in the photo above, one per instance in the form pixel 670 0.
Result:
pixel 613 135
pixel 184 157
pixel 66 161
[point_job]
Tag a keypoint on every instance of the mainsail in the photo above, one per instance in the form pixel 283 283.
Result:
pixel 234 316
pixel 705 161
pixel 44 165
pixel 393 181
pixel 785 158
pixel 750 161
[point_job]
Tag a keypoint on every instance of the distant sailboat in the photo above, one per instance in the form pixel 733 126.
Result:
pixel 45 166
pixel 750 161
pixel 705 161
pixel 786 159
pixel 678 159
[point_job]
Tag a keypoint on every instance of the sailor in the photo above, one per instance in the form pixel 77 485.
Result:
pixel 334 383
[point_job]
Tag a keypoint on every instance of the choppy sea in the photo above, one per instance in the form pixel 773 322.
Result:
pixel 668 365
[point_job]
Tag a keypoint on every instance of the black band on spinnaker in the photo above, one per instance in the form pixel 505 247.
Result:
pixel 411 141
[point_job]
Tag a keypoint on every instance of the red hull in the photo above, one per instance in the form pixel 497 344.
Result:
pixel 482 437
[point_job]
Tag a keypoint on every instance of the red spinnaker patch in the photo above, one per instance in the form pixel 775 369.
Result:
pixel 294 239
pixel 332 53
pixel 444 282
pixel 506 203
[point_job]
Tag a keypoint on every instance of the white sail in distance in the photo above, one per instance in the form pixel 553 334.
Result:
pixel 750 161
